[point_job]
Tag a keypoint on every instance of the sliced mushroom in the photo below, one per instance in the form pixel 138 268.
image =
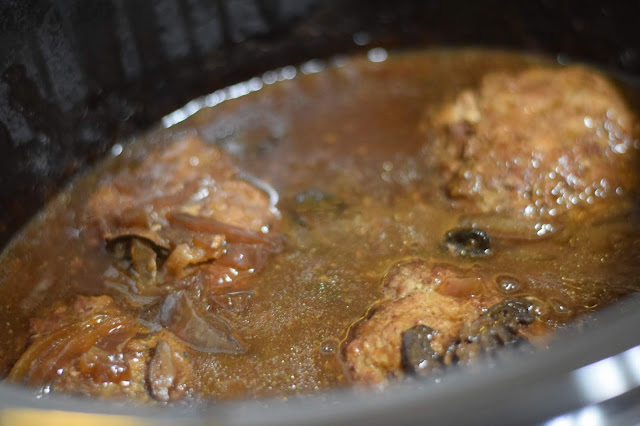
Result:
pixel 496 328
pixel 467 242
pixel 418 357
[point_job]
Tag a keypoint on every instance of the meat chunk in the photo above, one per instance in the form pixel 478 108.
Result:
pixel 91 347
pixel 165 375
pixel 187 176
pixel 536 143
pixel 373 352
pixel 431 316
pixel 188 204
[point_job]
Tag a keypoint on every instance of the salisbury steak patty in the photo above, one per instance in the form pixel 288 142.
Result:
pixel 535 143
pixel 373 352
pixel 182 210
pixel 431 316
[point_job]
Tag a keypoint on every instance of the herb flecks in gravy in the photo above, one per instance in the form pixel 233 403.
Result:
pixel 365 223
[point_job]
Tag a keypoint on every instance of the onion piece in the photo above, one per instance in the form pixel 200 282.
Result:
pixel 51 352
pixel 133 298
pixel 211 335
pixel 243 256
pixel 209 225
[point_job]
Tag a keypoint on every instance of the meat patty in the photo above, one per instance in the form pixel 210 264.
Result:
pixel 431 315
pixel 90 347
pixel 189 176
pixel 535 143
pixel 183 206
pixel 373 353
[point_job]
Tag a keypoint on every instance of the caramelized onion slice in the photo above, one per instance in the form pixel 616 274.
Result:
pixel 211 335
pixel 243 256
pixel 209 225
pixel 135 299
pixel 53 351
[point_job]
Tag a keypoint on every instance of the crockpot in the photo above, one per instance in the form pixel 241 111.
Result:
pixel 77 76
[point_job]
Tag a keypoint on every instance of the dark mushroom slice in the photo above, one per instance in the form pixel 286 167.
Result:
pixel 158 243
pixel 467 242
pixel 418 357
pixel 495 329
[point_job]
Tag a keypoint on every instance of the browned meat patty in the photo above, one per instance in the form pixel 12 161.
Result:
pixel 188 176
pixel 535 143
pixel 433 315
pixel 374 354
pixel 184 206
pixel 91 348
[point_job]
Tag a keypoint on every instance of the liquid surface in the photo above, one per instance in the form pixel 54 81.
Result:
pixel 344 150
